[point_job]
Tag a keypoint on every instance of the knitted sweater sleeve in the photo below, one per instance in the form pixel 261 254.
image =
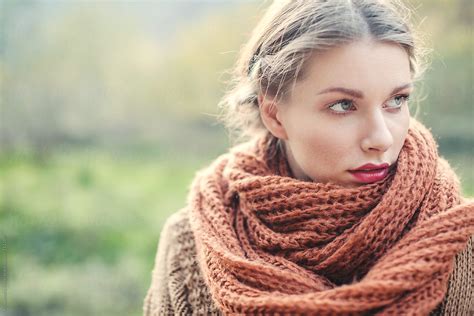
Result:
pixel 459 299
pixel 177 286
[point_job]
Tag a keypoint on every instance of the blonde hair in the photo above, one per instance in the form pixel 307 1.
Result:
pixel 274 57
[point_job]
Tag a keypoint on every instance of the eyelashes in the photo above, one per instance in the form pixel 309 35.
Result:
pixel 403 97
pixel 343 104
pixel 346 106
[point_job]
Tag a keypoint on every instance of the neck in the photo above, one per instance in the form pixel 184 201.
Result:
pixel 296 171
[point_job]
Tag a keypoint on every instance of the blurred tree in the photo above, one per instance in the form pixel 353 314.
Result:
pixel 195 74
pixel 77 76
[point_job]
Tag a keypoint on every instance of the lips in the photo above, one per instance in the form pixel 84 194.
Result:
pixel 369 173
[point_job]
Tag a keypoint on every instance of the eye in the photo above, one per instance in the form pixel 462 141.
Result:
pixel 397 101
pixel 342 106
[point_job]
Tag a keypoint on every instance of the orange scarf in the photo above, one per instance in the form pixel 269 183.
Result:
pixel 269 243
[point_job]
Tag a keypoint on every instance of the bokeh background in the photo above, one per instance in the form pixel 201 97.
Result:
pixel 107 111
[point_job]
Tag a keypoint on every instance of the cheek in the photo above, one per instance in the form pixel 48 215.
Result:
pixel 320 143
pixel 400 130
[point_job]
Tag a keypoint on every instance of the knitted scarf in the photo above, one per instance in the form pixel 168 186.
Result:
pixel 269 243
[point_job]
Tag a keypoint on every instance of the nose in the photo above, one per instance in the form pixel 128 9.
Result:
pixel 378 137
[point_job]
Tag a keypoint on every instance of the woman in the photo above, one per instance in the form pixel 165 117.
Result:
pixel 337 202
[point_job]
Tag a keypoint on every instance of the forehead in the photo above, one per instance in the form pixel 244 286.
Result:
pixel 363 64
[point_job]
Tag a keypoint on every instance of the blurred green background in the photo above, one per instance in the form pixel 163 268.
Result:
pixel 107 111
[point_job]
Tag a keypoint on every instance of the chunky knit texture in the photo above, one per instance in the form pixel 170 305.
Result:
pixel 178 287
pixel 269 243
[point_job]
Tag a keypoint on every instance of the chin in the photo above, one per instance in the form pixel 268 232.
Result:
pixel 345 183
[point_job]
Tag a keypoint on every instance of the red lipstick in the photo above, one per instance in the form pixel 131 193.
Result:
pixel 369 173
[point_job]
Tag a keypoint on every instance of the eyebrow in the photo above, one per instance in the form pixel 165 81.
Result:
pixel 357 93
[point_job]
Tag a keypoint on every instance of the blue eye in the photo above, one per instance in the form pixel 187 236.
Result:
pixel 342 106
pixel 397 101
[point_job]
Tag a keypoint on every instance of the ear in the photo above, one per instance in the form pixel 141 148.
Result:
pixel 271 116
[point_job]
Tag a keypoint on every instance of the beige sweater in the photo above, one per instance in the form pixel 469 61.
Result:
pixel 178 287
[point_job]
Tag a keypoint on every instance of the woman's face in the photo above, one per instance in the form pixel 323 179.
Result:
pixel 349 110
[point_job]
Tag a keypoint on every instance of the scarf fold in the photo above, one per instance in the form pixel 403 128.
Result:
pixel 269 243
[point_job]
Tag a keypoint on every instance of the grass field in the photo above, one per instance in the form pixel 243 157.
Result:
pixel 82 229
